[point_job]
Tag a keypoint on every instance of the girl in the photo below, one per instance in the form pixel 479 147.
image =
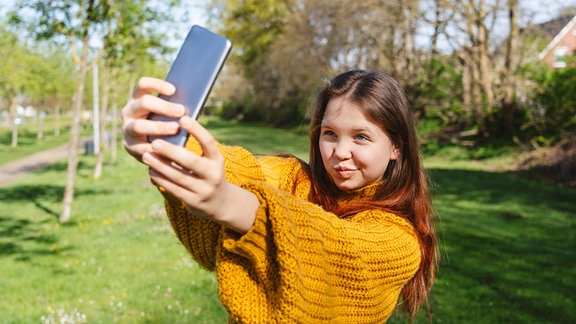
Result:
pixel 335 240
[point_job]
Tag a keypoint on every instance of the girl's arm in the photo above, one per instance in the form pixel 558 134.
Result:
pixel 200 181
pixel 197 230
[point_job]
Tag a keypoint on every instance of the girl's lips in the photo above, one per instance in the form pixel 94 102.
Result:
pixel 345 173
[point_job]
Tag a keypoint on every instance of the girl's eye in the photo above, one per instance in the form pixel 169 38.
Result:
pixel 328 133
pixel 361 137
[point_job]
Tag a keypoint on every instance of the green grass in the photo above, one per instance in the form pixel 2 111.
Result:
pixel 508 249
pixel 508 246
pixel 27 141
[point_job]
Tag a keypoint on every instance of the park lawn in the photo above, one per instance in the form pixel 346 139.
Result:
pixel 507 245
pixel 27 138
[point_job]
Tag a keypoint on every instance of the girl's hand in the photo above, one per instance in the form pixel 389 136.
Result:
pixel 200 181
pixel 135 125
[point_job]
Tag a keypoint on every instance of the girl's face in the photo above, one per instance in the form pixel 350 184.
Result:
pixel 355 150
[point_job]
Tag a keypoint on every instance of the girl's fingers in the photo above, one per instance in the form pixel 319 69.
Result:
pixel 143 105
pixel 150 127
pixel 168 175
pixel 174 189
pixel 204 137
pixel 201 166
pixel 147 85
pixel 185 159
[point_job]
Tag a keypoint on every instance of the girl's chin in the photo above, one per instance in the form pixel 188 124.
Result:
pixel 347 186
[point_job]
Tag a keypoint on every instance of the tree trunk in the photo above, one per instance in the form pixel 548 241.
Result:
pixel 485 71
pixel 115 114
pixel 40 123
pixel 437 24
pixel 464 59
pixel 103 112
pixel 57 116
pixel 114 133
pixel 75 134
pixel 13 116
pixel 508 100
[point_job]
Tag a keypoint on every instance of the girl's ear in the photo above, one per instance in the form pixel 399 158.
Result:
pixel 395 154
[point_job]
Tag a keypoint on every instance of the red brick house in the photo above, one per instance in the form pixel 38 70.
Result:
pixel 563 43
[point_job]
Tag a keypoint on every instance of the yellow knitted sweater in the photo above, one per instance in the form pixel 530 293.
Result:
pixel 299 263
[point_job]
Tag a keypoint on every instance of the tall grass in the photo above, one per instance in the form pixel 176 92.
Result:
pixel 508 246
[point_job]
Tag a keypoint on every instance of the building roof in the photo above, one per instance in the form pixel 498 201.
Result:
pixel 557 28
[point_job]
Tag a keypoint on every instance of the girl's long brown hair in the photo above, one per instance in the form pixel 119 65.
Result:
pixel 404 190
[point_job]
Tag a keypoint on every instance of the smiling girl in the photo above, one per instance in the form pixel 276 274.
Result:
pixel 337 240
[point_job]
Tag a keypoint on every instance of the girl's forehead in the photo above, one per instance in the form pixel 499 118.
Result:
pixel 340 111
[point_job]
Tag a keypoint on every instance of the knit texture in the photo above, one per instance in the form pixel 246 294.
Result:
pixel 299 263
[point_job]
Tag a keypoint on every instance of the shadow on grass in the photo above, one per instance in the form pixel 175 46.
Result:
pixel 26 237
pixel 62 167
pixel 34 194
pixel 508 248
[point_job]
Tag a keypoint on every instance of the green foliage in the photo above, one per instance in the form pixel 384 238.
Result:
pixel 42 72
pixel 52 75
pixel 16 58
pixel 251 25
pixel 55 18
pixel 131 34
pixel 439 96
pixel 554 111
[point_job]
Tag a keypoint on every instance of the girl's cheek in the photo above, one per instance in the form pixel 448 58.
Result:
pixel 324 150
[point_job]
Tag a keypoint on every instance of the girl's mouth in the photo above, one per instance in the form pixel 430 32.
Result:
pixel 344 172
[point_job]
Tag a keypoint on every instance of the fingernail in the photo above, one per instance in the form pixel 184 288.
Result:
pixel 169 89
pixel 146 157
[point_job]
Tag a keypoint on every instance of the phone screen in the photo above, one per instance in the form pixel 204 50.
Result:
pixel 193 73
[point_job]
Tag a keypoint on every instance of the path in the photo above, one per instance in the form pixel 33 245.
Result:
pixel 16 169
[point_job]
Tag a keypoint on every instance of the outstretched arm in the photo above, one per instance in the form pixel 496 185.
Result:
pixel 199 181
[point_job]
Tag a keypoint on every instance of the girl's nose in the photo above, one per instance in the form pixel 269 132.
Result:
pixel 342 151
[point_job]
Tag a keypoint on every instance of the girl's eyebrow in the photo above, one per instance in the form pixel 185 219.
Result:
pixel 361 130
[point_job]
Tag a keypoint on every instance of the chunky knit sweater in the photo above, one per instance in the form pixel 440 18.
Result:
pixel 299 263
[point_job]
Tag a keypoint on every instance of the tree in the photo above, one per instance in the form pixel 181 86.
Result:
pixel 50 81
pixel 288 46
pixel 553 113
pixel 13 75
pixel 508 103
pixel 76 21
pixel 128 39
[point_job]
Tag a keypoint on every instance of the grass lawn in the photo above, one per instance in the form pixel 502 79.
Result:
pixel 28 143
pixel 508 246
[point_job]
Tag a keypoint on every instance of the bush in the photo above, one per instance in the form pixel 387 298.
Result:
pixel 553 113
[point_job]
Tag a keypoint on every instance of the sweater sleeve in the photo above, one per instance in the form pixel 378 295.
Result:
pixel 201 236
pixel 303 264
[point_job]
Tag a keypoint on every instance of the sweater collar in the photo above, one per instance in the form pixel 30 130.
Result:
pixel 365 192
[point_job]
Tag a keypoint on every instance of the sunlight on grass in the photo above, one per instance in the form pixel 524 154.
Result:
pixel 117 260
pixel 507 246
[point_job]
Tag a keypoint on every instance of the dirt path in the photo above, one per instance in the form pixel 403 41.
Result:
pixel 16 169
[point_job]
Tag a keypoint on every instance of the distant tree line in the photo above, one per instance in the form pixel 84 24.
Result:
pixel 470 74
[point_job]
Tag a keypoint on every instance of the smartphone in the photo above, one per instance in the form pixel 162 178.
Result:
pixel 193 73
